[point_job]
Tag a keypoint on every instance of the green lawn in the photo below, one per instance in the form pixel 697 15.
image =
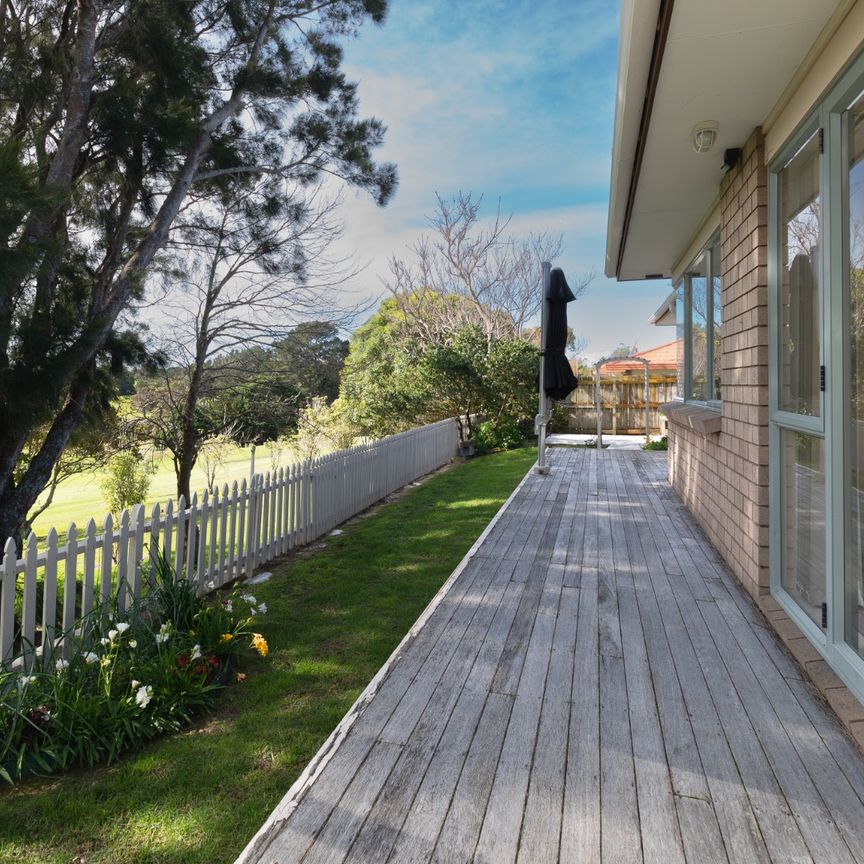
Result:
pixel 333 620
pixel 79 498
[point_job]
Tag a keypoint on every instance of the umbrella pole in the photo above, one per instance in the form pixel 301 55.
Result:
pixel 542 467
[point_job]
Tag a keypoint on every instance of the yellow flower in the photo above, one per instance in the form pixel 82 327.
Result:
pixel 259 643
pixel 226 637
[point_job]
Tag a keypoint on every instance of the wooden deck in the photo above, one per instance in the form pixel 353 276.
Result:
pixel 591 685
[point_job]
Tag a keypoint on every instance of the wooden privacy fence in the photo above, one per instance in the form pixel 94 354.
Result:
pixel 623 406
pixel 217 538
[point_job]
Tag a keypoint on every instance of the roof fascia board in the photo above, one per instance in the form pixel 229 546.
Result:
pixel 636 42
pixel 664 19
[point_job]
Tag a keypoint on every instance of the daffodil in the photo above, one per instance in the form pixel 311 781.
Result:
pixel 226 637
pixel 259 643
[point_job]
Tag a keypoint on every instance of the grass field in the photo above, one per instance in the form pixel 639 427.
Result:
pixel 79 498
pixel 334 619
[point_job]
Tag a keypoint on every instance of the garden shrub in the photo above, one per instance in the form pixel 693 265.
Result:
pixel 559 419
pixel 502 434
pixel 126 676
pixel 659 444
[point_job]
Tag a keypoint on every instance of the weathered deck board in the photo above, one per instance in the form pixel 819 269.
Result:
pixel 594 686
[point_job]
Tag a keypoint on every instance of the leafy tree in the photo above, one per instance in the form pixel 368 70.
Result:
pixel 125 482
pixel 391 382
pixel 321 428
pixel 115 119
pixel 381 387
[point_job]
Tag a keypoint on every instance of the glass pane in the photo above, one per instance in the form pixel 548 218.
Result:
pixel 699 333
pixel 679 339
pixel 717 309
pixel 854 123
pixel 800 227
pixel 803 520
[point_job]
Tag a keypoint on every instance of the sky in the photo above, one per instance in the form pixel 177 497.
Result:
pixel 513 100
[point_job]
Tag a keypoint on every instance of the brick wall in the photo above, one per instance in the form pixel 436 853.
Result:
pixel 723 477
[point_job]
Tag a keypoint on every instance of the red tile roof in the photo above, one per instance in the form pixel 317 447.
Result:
pixel 660 357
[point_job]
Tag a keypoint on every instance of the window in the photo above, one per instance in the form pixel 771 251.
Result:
pixel 699 322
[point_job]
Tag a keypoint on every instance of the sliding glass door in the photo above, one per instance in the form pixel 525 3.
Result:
pixel 816 377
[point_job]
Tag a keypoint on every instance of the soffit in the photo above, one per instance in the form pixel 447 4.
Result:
pixel 723 62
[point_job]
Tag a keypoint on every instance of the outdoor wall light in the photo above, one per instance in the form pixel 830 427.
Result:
pixel 703 136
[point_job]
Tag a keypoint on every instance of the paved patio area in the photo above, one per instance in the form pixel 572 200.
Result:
pixel 591 685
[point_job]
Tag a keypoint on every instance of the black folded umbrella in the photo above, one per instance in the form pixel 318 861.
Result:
pixel 558 378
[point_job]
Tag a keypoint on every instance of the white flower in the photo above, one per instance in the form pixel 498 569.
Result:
pixel 228 606
pixel 248 598
pixel 210 585
pixel 262 608
pixel 143 696
pixel 90 657
pixel 133 643
pixel 196 653
pixel 112 635
pixel 104 641
pixel 165 628
pixel 61 665
pixel 253 611
pixel 24 680
pixel 133 683
pixel 161 637
pixel 122 627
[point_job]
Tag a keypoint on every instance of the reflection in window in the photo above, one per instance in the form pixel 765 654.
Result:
pixel 699 334
pixel 800 226
pixel 717 310
pixel 803 497
pixel 699 316
pixel 854 122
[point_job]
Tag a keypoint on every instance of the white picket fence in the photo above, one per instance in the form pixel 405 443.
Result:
pixel 216 539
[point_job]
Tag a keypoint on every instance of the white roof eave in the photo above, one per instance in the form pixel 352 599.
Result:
pixel 636 43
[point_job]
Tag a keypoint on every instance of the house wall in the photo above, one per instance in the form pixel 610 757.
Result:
pixel 723 477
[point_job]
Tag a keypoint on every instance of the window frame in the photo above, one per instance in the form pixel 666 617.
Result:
pixel 710 254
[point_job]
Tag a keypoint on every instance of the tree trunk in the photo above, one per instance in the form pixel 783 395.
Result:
pixel 16 499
